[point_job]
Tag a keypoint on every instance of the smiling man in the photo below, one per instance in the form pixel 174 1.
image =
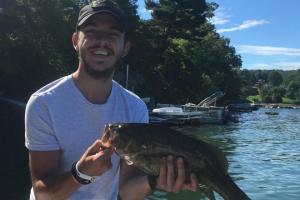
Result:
pixel 65 119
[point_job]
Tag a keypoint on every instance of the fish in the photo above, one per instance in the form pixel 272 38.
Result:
pixel 145 145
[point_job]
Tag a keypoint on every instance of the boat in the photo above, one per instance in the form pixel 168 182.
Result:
pixel 182 115
pixel 205 112
pixel 271 113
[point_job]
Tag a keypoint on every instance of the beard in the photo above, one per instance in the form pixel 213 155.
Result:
pixel 100 74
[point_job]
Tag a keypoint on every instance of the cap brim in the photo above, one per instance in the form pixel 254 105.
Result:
pixel 85 18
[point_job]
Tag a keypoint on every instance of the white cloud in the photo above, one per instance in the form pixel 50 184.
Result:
pixel 218 20
pixel 221 17
pixel 267 50
pixel 288 65
pixel 277 65
pixel 245 25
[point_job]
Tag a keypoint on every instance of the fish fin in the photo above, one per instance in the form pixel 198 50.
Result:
pixel 207 191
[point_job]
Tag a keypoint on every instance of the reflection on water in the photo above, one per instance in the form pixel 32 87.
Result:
pixel 263 153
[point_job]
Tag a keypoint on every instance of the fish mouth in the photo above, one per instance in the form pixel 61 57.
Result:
pixel 109 133
pixel 112 136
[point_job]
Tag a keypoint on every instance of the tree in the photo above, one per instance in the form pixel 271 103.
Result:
pixel 35 42
pixel 176 56
pixel 293 90
pixel 271 94
pixel 275 78
pixel 191 60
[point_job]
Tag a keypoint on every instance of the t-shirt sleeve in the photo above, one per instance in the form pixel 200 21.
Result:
pixel 39 134
pixel 142 114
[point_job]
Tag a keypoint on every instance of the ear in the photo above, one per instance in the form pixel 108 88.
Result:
pixel 75 40
pixel 126 49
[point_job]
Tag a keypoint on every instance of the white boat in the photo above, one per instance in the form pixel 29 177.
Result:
pixel 181 115
pixel 175 111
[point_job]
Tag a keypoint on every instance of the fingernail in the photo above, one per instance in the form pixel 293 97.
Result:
pixel 170 157
pixel 193 175
pixel 180 162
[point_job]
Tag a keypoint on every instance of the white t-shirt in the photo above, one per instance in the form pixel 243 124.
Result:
pixel 59 117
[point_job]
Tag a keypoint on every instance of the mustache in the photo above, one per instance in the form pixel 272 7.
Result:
pixel 100 47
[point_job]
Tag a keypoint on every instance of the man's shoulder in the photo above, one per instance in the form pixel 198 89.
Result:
pixel 131 104
pixel 53 87
pixel 50 91
pixel 129 95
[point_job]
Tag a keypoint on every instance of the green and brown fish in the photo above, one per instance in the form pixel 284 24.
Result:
pixel 144 145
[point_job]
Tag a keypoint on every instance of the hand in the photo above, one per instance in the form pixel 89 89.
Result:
pixel 167 180
pixel 96 160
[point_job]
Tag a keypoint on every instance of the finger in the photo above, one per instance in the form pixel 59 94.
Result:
pixel 170 173
pixel 180 176
pixel 162 174
pixel 94 148
pixel 103 155
pixel 192 185
pixel 194 182
pixel 106 144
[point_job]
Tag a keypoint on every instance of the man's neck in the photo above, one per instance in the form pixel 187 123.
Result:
pixel 96 91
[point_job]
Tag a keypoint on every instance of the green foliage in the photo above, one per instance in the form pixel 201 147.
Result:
pixel 271 94
pixel 272 85
pixel 36 46
pixel 190 60
pixel 176 56
pixel 293 90
pixel 275 78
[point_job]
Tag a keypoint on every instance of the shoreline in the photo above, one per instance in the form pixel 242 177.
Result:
pixel 276 105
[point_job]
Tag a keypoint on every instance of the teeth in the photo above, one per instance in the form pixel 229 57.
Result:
pixel 104 53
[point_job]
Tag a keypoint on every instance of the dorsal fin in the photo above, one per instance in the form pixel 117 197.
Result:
pixel 186 133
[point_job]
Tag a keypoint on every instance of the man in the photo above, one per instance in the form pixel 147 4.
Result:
pixel 64 121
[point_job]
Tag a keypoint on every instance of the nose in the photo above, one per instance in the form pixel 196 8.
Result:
pixel 103 38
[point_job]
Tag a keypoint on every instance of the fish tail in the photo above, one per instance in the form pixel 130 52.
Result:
pixel 225 186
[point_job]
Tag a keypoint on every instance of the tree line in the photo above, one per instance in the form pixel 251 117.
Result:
pixel 271 86
pixel 176 56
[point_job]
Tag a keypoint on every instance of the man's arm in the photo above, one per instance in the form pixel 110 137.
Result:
pixel 48 184
pixel 135 186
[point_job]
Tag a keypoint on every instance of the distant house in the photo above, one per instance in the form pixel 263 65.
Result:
pixel 259 83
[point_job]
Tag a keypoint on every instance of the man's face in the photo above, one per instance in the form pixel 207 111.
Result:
pixel 100 44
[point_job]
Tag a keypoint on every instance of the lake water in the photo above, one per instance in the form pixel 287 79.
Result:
pixel 263 152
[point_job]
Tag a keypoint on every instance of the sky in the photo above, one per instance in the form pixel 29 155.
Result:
pixel 266 33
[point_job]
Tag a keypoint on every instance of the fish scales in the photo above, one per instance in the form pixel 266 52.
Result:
pixel 144 146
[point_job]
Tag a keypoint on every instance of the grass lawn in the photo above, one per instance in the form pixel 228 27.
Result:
pixel 290 101
pixel 285 100
pixel 254 98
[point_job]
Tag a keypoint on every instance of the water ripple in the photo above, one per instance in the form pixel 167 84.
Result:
pixel 263 153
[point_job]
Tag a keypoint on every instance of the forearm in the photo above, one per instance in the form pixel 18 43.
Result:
pixel 55 187
pixel 136 188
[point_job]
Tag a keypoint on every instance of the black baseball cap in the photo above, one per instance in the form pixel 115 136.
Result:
pixel 102 6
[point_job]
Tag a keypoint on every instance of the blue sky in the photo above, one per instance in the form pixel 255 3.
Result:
pixel 266 33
